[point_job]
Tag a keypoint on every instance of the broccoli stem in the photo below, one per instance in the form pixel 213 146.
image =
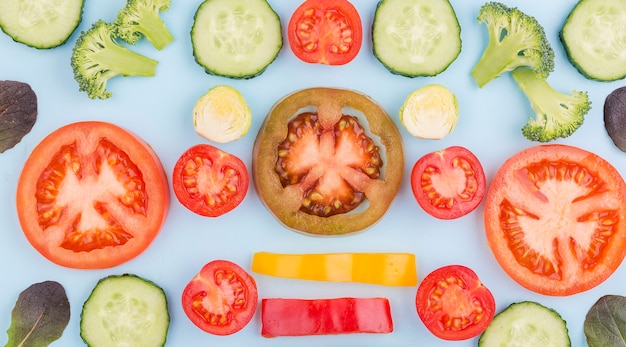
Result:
pixel 495 60
pixel 126 62
pixel 155 31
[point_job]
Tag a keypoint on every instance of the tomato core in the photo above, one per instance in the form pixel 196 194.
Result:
pixel 317 157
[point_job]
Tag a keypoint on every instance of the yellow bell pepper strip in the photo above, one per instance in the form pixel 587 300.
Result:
pixel 389 269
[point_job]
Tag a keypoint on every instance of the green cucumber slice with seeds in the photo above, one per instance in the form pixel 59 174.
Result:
pixel 593 36
pixel 236 38
pixel 125 310
pixel 41 24
pixel 528 324
pixel 416 37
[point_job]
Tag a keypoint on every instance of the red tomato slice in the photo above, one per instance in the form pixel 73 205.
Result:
pixel 325 32
pixel 453 304
pixel 209 181
pixel 304 317
pixel 221 299
pixel 555 219
pixel 448 184
pixel 92 195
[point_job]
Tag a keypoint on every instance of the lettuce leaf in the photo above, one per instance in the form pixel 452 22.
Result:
pixel 605 323
pixel 18 112
pixel 40 315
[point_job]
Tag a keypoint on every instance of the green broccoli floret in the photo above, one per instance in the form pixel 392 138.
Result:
pixel 98 56
pixel 515 39
pixel 557 114
pixel 141 18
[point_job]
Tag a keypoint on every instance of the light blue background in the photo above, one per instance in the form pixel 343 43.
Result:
pixel 159 110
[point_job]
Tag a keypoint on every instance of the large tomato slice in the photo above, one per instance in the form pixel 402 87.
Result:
pixel 221 299
pixel 555 219
pixel 318 161
pixel 209 181
pixel 92 195
pixel 448 184
pixel 453 304
pixel 325 32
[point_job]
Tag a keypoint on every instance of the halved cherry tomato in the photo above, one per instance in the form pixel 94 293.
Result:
pixel 305 317
pixel 221 299
pixel 448 184
pixel 555 219
pixel 318 161
pixel 209 181
pixel 92 195
pixel 325 32
pixel 453 304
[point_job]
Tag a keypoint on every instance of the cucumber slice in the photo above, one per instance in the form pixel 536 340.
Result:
pixel 593 37
pixel 125 310
pixel 526 324
pixel 41 24
pixel 236 38
pixel 416 37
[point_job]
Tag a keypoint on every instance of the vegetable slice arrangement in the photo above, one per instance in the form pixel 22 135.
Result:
pixel 158 108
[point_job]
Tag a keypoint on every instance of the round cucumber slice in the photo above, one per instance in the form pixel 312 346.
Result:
pixel 125 310
pixel 41 24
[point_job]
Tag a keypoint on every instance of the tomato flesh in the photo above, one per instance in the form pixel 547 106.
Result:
pixel 318 161
pixel 221 299
pixel 325 32
pixel 316 158
pixel 92 195
pixel 554 218
pixel 448 184
pixel 453 304
pixel 209 181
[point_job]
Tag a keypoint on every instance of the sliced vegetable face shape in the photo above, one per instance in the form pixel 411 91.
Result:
pixel 327 161
pixel 221 299
pixel 453 304
pixel 125 310
pixel 390 269
pixel 304 317
pixel 416 37
pixel 40 24
pixel 92 195
pixel 591 36
pixel 615 117
pixel 555 219
pixel 528 322
pixel 209 181
pixel 236 38
pixel 605 322
pixel 325 32
pixel 450 183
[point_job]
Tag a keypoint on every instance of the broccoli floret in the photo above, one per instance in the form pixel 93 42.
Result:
pixel 515 39
pixel 556 114
pixel 141 18
pixel 98 56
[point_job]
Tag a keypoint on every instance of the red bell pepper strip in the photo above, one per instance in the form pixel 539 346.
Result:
pixel 302 317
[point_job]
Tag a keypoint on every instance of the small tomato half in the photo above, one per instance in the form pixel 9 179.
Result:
pixel 325 32
pixel 221 299
pixel 327 161
pixel 448 184
pixel 453 304
pixel 209 181
pixel 555 219
pixel 92 195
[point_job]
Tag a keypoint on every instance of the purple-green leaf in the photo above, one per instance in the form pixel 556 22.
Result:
pixel 40 315
pixel 18 112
